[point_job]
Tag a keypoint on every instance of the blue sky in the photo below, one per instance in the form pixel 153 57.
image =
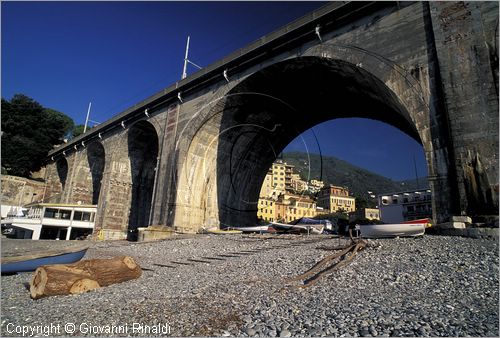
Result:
pixel 370 144
pixel 115 54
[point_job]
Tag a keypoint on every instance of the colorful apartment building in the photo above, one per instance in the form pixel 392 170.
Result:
pixel 280 199
pixel 277 180
pixel 336 199
pixel 286 208
pixel 297 184
pixel 298 207
pixel 315 186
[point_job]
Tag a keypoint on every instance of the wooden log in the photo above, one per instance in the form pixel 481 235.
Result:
pixel 358 246
pixel 318 266
pixel 83 276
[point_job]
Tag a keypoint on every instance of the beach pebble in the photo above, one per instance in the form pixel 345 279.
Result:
pixel 434 286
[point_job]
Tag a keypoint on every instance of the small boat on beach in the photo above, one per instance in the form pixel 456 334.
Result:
pixel 30 260
pixel 217 231
pixel 392 230
pixel 425 221
pixel 258 228
pixel 303 225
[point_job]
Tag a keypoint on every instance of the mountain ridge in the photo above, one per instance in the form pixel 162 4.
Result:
pixel 338 172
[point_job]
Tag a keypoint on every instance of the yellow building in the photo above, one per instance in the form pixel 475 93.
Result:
pixel 276 203
pixel 266 210
pixel 299 207
pixel 286 208
pixel 336 199
pixel 315 186
pixel 297 184
pixel 277 180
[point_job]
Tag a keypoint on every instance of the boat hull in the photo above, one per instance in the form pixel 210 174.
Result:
pixel 300 228
pixel 223 232
pixel 392 230
pixel 426 221
pixel 261 229
pixel 31 264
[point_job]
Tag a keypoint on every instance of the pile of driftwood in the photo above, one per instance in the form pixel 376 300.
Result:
pixel 330 263
pixel 83 276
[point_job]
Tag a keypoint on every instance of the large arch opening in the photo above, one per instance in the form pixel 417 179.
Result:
pixel 95 159
pixel 266 111
pixel 143 152
pixel 365 158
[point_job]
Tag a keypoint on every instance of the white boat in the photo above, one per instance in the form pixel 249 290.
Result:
pixel 258 228
pixel 302 225
pixel 391 230
pixel 217 231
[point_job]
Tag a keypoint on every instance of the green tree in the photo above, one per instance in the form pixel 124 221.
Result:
pixel 77 130
pixel 362 202
pixel 29 132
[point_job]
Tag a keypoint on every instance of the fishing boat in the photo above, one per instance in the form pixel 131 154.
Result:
pixel 392 230
pixel 30 260
pixel 303 225
pixel 217 231
pixel 258 228
pixel 425 221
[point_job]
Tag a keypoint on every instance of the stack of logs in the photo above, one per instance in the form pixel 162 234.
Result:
pixel 83 276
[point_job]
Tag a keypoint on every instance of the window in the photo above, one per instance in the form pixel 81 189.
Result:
pixel 57 213
pixel 82 216
pixel 50 213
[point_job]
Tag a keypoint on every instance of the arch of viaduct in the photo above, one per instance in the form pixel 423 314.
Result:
pixel 195 154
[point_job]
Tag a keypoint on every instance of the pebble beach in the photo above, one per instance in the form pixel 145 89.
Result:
pixel 239 285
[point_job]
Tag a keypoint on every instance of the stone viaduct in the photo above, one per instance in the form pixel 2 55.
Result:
pixel 195 154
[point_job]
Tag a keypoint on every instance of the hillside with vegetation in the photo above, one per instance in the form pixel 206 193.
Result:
pixel 332 170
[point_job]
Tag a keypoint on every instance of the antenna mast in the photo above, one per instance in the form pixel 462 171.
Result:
pixel 184 74
pixel 87 119
pixel 186 61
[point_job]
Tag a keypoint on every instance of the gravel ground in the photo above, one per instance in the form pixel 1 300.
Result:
pixel 235 286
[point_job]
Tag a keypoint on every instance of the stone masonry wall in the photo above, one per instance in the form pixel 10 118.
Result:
pixel 20 191
pixel 464 34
